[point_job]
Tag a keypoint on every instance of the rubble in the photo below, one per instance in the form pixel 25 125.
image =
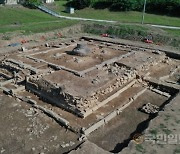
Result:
pixel 80 76
pixel 150 108
pixel 67 144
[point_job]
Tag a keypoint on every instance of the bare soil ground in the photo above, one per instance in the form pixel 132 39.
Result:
pixel 119 129
pixel 163 69
pixel 98 56
pixel 26 130
pixel 77 122
pixel 167 123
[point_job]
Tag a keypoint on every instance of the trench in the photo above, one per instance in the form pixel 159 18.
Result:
pixel 142 126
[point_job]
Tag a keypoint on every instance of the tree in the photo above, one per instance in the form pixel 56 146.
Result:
pixel 32 3
pixel 122 5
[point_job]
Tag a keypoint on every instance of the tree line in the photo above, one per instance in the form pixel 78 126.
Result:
pixel 167 7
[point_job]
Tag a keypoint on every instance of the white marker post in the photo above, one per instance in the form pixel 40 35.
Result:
pixel 144 10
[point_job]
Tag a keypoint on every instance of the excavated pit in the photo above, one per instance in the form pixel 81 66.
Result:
pixel 93 87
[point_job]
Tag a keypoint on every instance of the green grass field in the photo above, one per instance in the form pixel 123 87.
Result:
pixel 22 16
pixel 34 21
pixel 173 32
pixel 29 20
pixel 125 17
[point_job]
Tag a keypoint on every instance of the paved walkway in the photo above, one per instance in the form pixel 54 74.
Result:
pixel 47 10
pixel 87 19
pixel 167 27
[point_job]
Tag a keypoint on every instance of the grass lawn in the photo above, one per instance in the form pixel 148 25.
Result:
pixel 38 27
pixel 132 16
pixel 29 20
pixel 173 32
pixel 22 15
pixel 34 21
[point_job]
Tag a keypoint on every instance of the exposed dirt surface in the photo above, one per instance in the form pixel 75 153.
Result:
pixel 55 99
pixel 163 135
pixel 90 148
pixel 119 129
pixel 27 130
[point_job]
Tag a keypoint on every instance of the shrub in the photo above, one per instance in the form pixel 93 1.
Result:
pixel 123 5
pixel 80 4
pixel 32 3
pixel 168 7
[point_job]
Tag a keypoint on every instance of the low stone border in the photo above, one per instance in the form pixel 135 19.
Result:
pixel 111 115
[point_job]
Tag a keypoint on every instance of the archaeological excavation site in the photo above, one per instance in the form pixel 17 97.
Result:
pixel 100 89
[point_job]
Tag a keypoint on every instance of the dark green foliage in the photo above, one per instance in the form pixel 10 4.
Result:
pixel 79 4
pixel 122 5
pixel 2 1
pixel 168 7
pixel 32 3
